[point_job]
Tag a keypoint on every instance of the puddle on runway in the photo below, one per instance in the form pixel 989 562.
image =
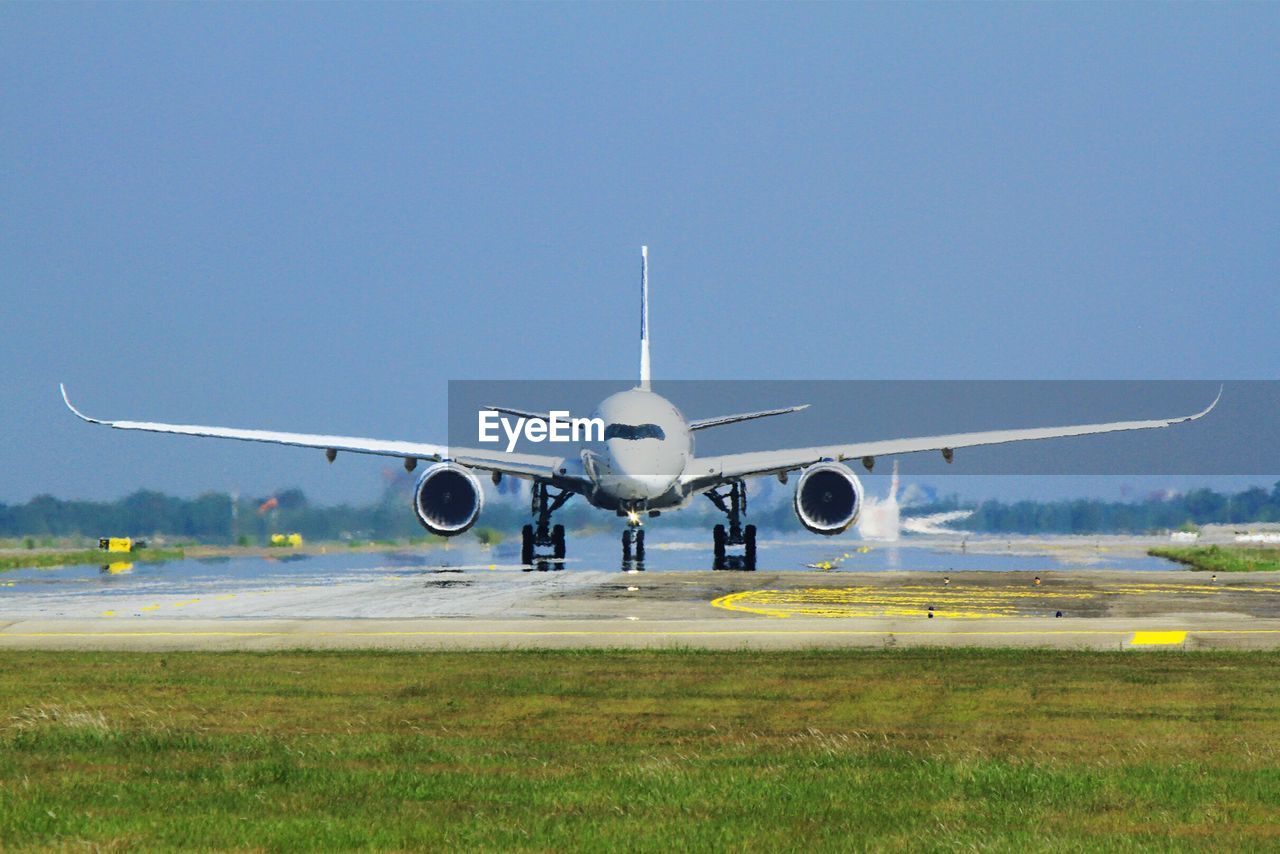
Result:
pixel 596 552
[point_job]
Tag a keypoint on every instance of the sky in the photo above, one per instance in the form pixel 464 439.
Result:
pixel 313 217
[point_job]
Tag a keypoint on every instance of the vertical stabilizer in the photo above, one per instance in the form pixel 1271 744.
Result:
pixel 644 318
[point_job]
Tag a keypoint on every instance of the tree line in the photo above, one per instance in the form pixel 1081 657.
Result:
pixel 217 518
pixel 1093 516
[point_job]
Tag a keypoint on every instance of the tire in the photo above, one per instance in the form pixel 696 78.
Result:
pixel 526 545
pixel 639 545
pixel 626 544
pixel 557 541
pixel 749 552
pixel 718 538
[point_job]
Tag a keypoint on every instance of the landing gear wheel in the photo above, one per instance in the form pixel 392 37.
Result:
pixel 639 545
pixel 542 533
pixel 557 542
pixel 718 538
pixel 626 544
pixel 526 545
pixel 749 545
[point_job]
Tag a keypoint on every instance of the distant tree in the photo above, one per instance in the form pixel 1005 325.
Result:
pixel 291 499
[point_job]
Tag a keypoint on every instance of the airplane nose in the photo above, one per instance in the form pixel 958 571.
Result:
pixel 647 485
pixel 638 474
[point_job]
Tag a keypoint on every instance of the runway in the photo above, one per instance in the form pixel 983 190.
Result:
pixel 1212 632
pixel 422 601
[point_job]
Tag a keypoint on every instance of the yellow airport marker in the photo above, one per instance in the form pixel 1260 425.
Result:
pixel 151 608
pixel 1158 638
pixel 185 602
pixel 108 613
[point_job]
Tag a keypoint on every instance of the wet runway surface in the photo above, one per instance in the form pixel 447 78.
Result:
pixel 995 593
pixel 587 554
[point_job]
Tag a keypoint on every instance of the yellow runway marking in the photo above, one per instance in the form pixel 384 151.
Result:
pixel 185 602
pixel 557 633
pixel 618 634
pixel 912 600
pixel 108 613
pixel 1158 638
pixel 151 608
pixel 955 601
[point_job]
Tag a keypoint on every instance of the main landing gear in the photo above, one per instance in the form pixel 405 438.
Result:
pixel 542 534
pixel 733 504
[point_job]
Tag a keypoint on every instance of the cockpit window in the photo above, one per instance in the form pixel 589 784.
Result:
pixel 627 431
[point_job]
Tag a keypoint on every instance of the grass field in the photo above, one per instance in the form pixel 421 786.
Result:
pixel 1221 558
pixel 71 557
pixel 891 749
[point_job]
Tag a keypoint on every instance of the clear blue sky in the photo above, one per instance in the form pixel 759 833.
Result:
pixel 312 217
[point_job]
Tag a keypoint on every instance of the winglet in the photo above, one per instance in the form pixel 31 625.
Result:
pixel 77 412
pixel 1202 413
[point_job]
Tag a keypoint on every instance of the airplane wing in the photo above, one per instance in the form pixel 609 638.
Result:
pixel 704 423
pixel 519 465
pixel 732 466
pixel 521 413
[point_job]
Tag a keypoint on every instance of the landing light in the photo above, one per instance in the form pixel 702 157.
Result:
pixel 633 518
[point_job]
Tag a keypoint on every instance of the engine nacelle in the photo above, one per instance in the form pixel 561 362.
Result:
pixel 447 499
pixel 828 498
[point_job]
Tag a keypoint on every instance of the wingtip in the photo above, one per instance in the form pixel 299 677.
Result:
pixel 67 400
pixel 1202 413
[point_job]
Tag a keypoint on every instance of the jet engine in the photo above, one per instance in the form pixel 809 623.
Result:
pixel 447 499
pixel 828 498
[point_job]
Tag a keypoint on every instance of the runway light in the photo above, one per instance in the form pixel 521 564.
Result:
pixel 1037 581
pixel 632 589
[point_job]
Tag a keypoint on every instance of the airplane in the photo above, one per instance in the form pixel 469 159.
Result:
pixel 643 465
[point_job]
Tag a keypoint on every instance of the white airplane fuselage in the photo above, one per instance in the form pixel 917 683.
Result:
pixel 647 446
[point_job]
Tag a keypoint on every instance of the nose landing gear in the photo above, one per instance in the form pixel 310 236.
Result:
pixel 542 534
pixel 632 540
pixel 733 504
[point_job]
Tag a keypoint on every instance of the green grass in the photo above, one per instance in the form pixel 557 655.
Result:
pixel 70 557
pixel 488 536
pixel 1221 559
pixel 889 749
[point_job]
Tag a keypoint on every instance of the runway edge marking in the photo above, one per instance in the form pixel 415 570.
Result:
pixel 1158 638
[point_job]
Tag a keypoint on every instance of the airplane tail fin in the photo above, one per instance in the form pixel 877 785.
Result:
pixel 644 318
